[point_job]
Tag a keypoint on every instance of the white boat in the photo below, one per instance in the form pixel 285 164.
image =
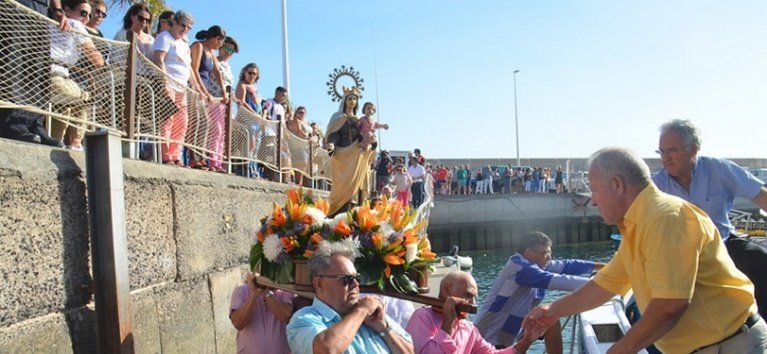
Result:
pixel 601 327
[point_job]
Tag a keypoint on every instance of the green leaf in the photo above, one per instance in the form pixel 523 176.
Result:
pixel 256 255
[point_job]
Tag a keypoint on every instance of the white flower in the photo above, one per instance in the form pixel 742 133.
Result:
pixel 411 251
pixel 272 247
pixel 352 243
pixel 386 230
pixel 318 217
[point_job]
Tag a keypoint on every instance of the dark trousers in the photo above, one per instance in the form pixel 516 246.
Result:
pixel 25 66
pixel 417 191
pixel 751 259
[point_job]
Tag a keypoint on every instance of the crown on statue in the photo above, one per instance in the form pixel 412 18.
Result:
pixel 351 90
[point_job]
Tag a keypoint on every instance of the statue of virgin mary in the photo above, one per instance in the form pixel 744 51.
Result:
pixel 349 163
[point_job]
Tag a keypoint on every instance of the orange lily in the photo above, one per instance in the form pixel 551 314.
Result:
pixel 342 228
pixel 365 219
pixel 278 217
pixel 294 195
pixel 260 236
pixel 316 238
pixel 322 205
pixel 393 259
pixel 387 271
pixel 377 240
pixel 289 243
pixel 308 253
pixel 295 210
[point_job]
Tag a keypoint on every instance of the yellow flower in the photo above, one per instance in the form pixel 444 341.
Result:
pixel 322 205
pixel 294 195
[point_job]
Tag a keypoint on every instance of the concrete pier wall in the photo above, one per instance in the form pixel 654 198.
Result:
pixel 478 222
pixel 188 238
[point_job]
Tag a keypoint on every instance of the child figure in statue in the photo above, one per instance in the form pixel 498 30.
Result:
pixel 368 125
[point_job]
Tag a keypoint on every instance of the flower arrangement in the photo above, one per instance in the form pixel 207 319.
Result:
pixel 288 233
pixel 393 250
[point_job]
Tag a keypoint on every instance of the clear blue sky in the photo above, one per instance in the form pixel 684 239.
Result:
pixel 593 73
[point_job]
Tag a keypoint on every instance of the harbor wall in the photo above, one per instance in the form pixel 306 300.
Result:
pixel 188 236
pixel 493 221
pixel 576 163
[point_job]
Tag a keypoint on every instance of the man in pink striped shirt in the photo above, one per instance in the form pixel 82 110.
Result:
pixel 445 330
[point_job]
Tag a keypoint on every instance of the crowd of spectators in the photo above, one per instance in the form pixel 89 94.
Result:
pixel 201 65
pixel 462 179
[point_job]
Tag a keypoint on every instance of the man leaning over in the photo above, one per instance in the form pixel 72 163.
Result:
pixel 691 296
pixel 338 320
pixel 712 184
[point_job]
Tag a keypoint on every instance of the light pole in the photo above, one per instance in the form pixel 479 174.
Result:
pixel 516 117
pixel 285 61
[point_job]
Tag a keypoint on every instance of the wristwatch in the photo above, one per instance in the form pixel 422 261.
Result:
pixel 386 330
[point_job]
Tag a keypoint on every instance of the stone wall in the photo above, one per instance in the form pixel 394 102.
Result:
pixel 188 238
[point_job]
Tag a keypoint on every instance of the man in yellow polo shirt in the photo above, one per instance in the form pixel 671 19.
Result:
pixel 691 296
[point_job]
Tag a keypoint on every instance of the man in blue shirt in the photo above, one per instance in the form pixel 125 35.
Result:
pixel 712 184
pixel 338 320
pixel 522 284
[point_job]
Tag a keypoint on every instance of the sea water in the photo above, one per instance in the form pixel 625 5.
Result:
pixel 487 265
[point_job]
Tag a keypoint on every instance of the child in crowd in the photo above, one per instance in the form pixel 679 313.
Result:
pixel 386 192
pixel 368 125
pixel 402 182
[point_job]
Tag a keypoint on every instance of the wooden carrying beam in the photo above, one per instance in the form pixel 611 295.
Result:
pixel 421 299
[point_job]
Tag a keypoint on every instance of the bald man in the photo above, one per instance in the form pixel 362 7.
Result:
pixel 444 330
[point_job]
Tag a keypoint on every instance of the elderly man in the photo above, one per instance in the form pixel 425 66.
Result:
pixel 692 297
pixel 259 315
pixel 338 320
pixel 521 285
pixel 712 184
pixel 444 330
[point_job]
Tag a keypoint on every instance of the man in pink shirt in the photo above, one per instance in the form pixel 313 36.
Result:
pixel 445 331
pixel 260 316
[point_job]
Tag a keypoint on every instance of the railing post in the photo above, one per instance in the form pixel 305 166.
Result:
pixel 129 114
pixel 311 162
pixel 228 130
pixel 279 149
pixel 109 247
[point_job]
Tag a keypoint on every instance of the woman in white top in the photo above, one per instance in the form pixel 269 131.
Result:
pixel 67 48
pixel 172 55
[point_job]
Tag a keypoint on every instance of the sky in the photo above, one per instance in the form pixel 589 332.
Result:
pixel 592 73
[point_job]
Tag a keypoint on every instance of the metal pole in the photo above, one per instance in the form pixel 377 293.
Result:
pixel 278 149
pixel 311 162
pixel 109 247
pixel 285 61
pixel 129 113
pixel 516 116
pixel 228 131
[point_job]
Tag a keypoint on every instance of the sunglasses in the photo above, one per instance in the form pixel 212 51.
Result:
pixel 100 13
pixel 252 73
pixel 347 279
pixel 229 50
pixel 300 112
pixel 143 19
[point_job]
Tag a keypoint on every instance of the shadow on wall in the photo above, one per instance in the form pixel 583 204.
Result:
pixel 75 260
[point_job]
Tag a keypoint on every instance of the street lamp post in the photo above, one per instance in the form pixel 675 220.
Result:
pixel 285 60
pixel 516 117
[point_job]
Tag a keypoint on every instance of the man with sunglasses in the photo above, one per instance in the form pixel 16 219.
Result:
pixel 338 320
pixel 522 284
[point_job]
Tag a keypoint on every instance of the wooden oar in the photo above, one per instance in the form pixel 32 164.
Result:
pixel 421 299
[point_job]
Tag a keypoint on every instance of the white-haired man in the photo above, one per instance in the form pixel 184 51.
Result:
pixel 445 330
pixel 712 184
pixel 691 296
pixel 338 320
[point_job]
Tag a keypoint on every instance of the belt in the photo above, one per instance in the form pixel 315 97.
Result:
pixel 750 322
